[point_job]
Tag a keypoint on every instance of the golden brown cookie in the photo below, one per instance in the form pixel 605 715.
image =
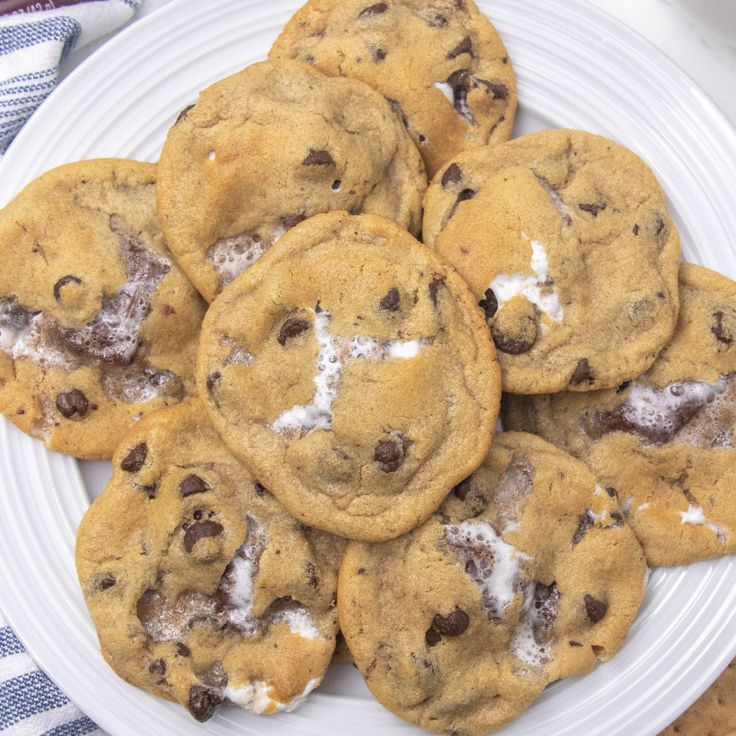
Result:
pixel 440 63
pixel 664 441
pixel 202 588
pixel 98 326
pixel 565 239
pixel 353 373
pixel 527 574
pixel 270 146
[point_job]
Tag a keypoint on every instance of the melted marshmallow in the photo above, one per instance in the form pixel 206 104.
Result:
pixel 696 515
pixel 537 288
pixel 231 256
pixel 446 90
pixel 333 356
pixel 255 697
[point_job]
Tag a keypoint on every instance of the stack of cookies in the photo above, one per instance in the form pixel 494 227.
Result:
pixel 300 398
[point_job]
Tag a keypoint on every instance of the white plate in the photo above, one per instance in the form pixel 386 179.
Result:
pixel 577 67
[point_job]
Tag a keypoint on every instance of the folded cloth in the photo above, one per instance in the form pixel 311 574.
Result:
pixel 34 38
pixel 30 704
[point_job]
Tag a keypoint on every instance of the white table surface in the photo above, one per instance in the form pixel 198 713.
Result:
pixel 700 35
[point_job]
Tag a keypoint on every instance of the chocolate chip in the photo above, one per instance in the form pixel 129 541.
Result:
pixel 389 454
pixel 498 90
pixel 453 175
pixel 454 624
pixel 462 488
pixel 72 404
pixel 106 583
pixel 390 302
pixel 623 387
pixel 379 55
pixel 336 185
pixel 192 484
pixel 203 701
pixel 598 650
pixel 490 304
pixel 432 637
pixel 511 345
pixel 574 643
pixel 201 530
pixel 721 331
pixel 593 208
pixel 293 327
pixel 635 230
pixel 461 83
pixel 434 287
pixel 464 47
pixel 585 522
pixel 260 490
pixel 582 372
pixel 183 114
pixel 212 380
pixel 318 158
pixel 376 9
pixel 594 608
pixel 361 571
pixel 157 668
pixel 466 194
pixel 182 650
pixel 134 460
pixel 612 492
pixel 62 282
pixel 437 21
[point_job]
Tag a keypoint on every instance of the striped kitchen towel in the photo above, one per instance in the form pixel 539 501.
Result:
pixel 34 38
pixel 30 704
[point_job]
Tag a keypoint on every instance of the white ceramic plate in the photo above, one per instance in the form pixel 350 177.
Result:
pixel 577 68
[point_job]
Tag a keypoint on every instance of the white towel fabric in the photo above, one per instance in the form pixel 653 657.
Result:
pixel 33 43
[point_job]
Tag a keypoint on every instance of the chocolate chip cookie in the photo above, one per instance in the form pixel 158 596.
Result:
pixel 526 574
pixel 440 63
pixel 565 239
pixel 664 441
pixel 270 146
pixel 97 324
pixel 202 589
pixel 353 373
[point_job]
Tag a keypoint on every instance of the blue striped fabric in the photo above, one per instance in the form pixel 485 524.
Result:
pixel 32 46
pixel 30 704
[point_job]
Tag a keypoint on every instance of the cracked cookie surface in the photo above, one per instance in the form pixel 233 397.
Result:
pixel 202 588
pixel 565 239
pixel 353 373
pixel 97 323
pixel 526 574
pixel 440 63
pixel 664 441
pixel 269 147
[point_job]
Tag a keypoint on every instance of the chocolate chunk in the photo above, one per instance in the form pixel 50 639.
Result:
pixel 585 523
pixel 593 208
pixel 336 185
pixel 72 404
pixel 182 650
pixel 318 158
pixel 612 492
pixel 721 331
pixel 489 304
pixel 461 83
pixel 498 90
pixel 390 302
pixel 466 194
pixel 203 701
pixel 293 327
pixel 260 490
pixel 106 583
pixel 511 345
pixel 376 9
pixel 594 609
pixel 201 530
pixel 389 454
pixel 62 282
pixel 157 668
pixel 462 488
pixel 183 114
pixel 464 47
pixel 379 54
pixel 454 624
pixel 434 287
pixel 134 460
pixel 192 484
pixel 432 637
pixel 453 175
pixel 582 372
